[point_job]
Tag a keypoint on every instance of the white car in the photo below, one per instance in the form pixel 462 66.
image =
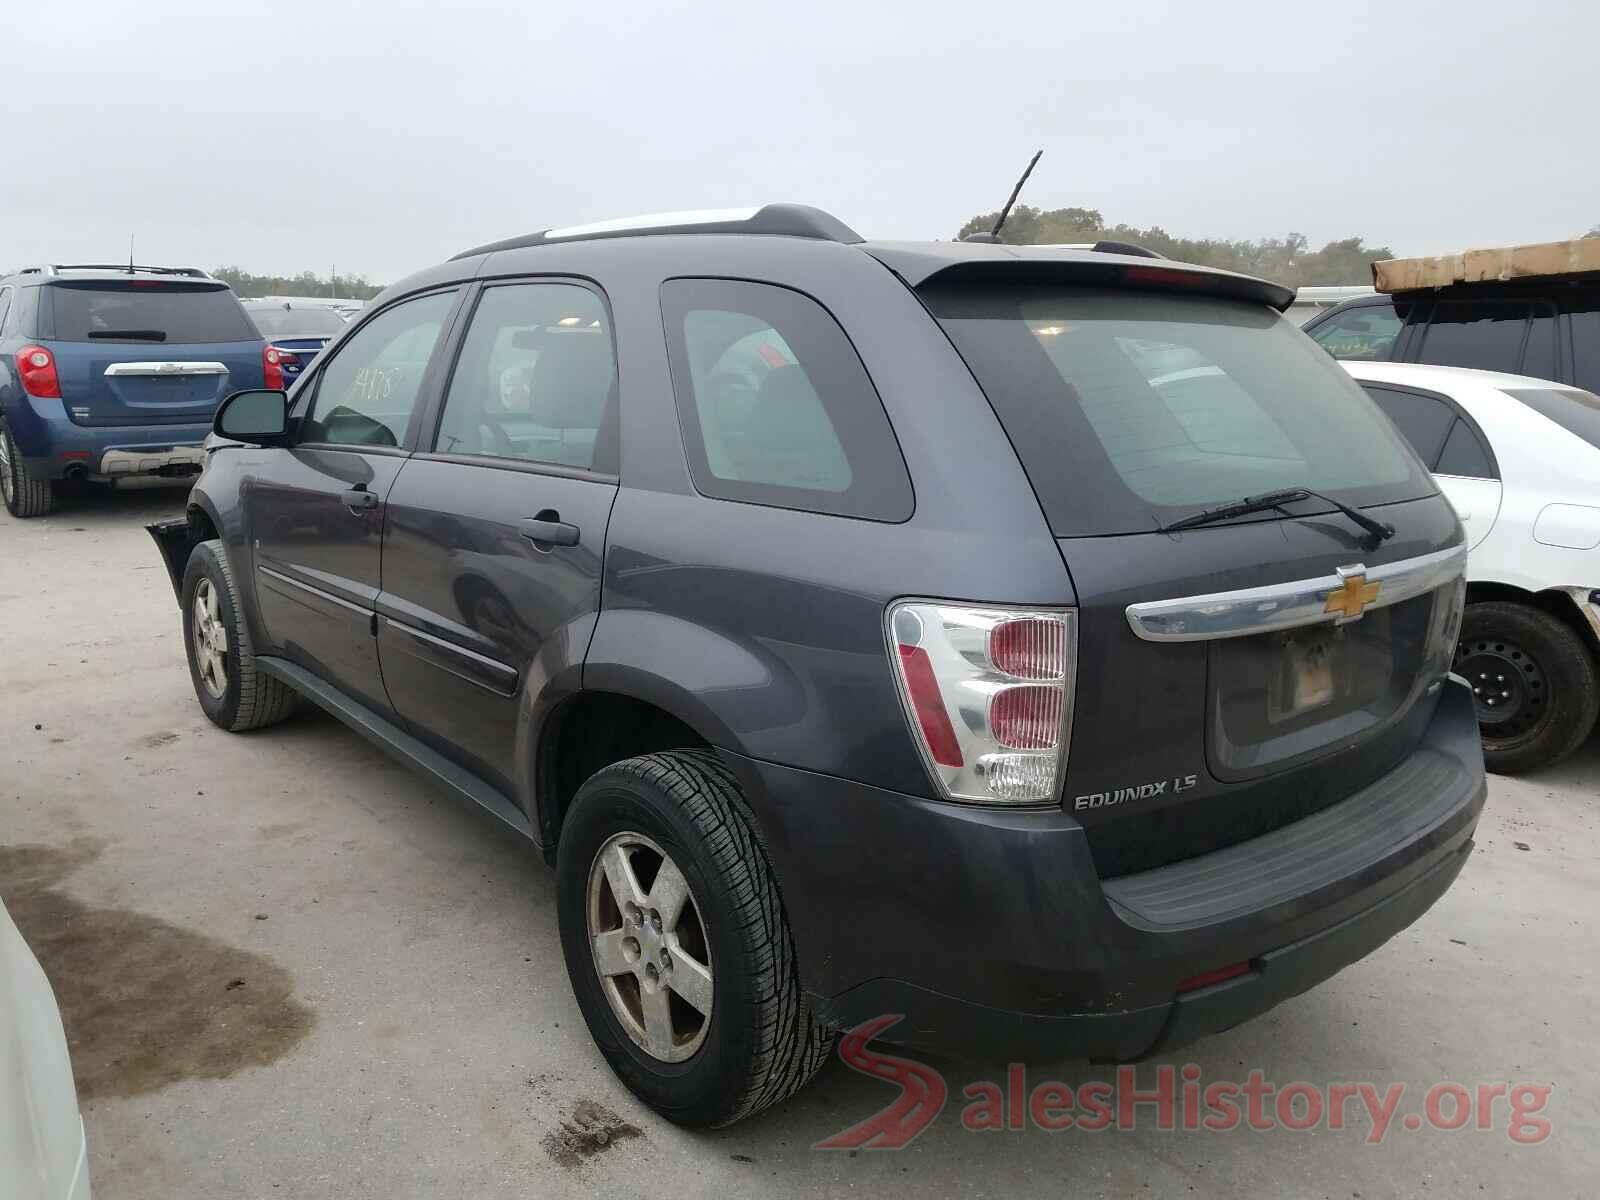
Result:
pixel 1520 460
pixel 43 1155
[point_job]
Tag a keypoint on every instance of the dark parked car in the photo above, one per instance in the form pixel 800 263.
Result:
pixel 108 372
pixel 1544 328
pixel 1050 646
pixel 297 331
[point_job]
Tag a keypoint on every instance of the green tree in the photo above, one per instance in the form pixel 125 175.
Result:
pixel 306 283
pixel 1289 259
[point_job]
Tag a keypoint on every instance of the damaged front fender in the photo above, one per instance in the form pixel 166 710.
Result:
pixel 176 539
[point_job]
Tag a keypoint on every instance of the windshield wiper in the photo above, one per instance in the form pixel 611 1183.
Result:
pixel 1378 530
pixel 131 335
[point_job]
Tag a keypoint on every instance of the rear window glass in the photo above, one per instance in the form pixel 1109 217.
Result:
pixel 1131 409
pixel 147 311
pixel 1576 412
pixel 281 321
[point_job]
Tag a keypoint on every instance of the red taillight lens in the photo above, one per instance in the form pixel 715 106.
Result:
pixel 288 358
pixel 1026 718
pixel 271 367
pixel 987 693
pixel 1029 649
pixel 928 704
pixel 37 368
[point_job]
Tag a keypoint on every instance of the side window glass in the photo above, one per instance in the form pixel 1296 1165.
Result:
pixel 5 311
pixel 535 379
pixel 1586 347
pixel 1539 354
pixel 775 405
pixel 1465 454
pixel 1423 420
pixel 1483 334
pixel 366 394
pixel 1365 332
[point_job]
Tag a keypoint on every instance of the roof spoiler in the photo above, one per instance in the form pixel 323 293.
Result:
pixel 1014 265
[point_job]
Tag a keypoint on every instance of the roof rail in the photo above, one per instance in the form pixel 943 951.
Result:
pixel 780 220
pixel 121 268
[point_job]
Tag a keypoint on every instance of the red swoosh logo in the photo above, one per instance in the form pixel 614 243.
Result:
pixel 921 1099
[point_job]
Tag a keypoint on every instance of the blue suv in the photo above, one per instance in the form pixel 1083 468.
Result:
pixel 110 372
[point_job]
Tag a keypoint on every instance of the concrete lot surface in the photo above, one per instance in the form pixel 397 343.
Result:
pixel 289 968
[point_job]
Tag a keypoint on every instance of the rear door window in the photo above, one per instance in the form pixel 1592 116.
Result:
pixel 535 379
pixel 1424 420
pixel 776 406
pixel 1130 409
pixel 1364 332
pixel 147 310
pixel 366 394
pixel 1466 454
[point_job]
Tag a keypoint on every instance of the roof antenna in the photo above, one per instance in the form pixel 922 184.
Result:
pixel 130 254
pixel 993 236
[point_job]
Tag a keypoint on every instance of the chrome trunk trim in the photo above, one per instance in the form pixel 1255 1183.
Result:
pixel 167 368
pixel 1296 603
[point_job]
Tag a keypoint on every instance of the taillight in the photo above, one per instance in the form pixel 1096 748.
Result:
pixel 271 368
pixel 37 368
pixel 988 693
pixel 288 360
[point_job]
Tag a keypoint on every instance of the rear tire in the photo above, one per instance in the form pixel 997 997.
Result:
pixel 232 690
pixel 1535 685
pixel 25 496
pixel 760 1043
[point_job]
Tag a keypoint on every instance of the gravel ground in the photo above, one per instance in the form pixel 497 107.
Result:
pixel 288 967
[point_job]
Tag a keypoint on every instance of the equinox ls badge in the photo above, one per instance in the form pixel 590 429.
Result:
pixel 1352 597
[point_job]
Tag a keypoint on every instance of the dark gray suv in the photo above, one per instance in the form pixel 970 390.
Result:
pixel 1048 647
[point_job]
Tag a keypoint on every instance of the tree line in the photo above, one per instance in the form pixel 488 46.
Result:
pixel 1289 260
pixel 307 283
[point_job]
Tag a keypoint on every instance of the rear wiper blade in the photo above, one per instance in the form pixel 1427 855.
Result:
pixel 131 335
pixel 1239 508
pixel 1379 530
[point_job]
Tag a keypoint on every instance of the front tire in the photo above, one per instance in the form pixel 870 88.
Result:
pixel 24 495
pixel 1534 684
pixel 676 943
pixel 232 690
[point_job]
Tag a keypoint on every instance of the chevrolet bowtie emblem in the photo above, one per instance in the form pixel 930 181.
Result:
pixel 1351 598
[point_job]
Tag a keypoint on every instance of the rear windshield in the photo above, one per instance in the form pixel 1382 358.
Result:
pixel 1131 409
pixel 144 310
pixel 1576 412
pixel 282 322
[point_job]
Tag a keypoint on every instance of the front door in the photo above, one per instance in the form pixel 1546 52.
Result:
pixel 496 529
pixel 314 513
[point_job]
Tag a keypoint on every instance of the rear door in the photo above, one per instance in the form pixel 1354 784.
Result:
pixel 147 351
pixel 314 512
pixel 497 526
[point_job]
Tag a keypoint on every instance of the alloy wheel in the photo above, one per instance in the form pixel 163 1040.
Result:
pixel 210 638
pixel 649 946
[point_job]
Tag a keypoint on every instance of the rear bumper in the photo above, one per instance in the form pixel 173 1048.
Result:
pixel 991 933
pixel 53 446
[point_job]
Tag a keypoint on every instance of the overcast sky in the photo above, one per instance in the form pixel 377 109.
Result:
pixel 382 137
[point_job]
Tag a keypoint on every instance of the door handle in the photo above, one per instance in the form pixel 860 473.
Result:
pixel 358 499
pixel 548 529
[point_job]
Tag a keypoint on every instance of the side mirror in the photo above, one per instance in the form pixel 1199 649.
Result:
pixel 260 417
